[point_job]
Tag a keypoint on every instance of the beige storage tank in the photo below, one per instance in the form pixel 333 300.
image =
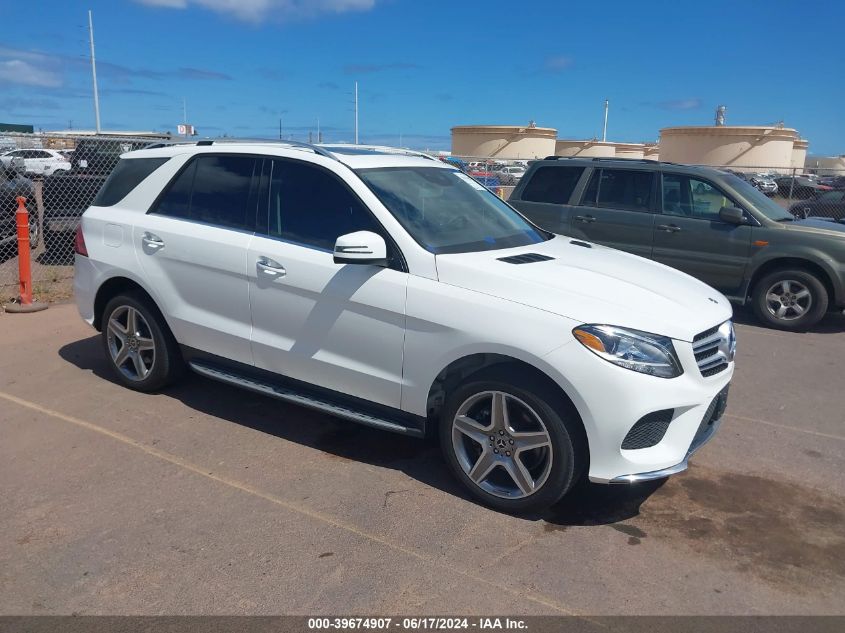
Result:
pixel 585 149
pixel 735 146
pixel 830 165
pixel 630 150
pixel 799 153
pixel 503 141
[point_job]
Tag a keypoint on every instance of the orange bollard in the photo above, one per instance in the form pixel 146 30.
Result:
pixel 25 303
pixel 24 263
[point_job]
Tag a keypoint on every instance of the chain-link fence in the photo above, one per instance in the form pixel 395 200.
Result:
pixel 59 176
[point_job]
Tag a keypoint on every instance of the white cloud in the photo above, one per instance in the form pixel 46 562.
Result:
pixel 21 72
pixel 260 10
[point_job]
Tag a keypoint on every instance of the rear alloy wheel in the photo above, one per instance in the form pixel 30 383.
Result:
pixel 143 353
pixel 508 446
pixel 790 299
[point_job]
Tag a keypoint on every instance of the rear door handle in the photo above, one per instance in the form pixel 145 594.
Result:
pixel 669 228
pixel 269 267
pixel 585 218
pixel 152 241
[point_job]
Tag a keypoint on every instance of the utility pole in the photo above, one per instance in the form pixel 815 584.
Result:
pixel 185 115
pixel 356 113
pixel 319 133
pixel 280 128
pixel 604 131
pixel 94 72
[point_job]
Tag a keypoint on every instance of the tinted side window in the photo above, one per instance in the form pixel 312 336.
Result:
pixel 552 184
pixel 127 175
pixel 310 206
pixel 213 189
pixel 176 201
pixel 623 189
pixel 692 198
pixel 221 192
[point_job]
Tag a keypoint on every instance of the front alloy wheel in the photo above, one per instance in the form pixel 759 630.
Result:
pixel 790 299
pixel 513 442
pixel 502 444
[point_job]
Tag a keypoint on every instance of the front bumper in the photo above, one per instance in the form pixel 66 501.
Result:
pixel 709 425
pixel 611 400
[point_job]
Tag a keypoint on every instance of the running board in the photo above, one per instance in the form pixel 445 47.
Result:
pixel 289 395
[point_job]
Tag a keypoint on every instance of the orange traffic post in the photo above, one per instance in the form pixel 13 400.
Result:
pixel 25 302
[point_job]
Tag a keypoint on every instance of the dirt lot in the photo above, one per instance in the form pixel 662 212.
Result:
pixel 208 500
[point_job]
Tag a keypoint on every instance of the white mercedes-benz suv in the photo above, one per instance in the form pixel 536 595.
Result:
pixel 390 289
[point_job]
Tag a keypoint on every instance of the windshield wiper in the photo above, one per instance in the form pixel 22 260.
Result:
pixel 790 219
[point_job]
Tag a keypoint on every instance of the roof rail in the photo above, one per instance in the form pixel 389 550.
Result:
pixel 620 159
pixel 297 144
pixel 380 148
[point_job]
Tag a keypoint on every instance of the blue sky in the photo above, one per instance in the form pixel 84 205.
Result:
pixel 423 67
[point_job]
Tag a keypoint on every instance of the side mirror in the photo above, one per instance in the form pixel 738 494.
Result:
pixel 361 247
pixel 732 215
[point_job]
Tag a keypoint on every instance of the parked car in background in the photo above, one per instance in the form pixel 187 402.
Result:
pixel 834 182
pixel 509 175
pixel 485 177
pixel 12 185
pixel 703 221
pixel 396 292
pixel 799 187
pixel 830 204
pixel 42 162
pixel 765 184
pixel 99 156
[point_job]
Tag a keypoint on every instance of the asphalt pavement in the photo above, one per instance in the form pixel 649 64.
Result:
pixel 209 500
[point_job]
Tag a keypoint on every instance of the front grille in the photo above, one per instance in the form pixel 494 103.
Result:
pixel 648 430
pixel 525 258
pixel 711 349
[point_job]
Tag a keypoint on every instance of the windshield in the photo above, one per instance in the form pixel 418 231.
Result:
pixel 764 205
pixel 446 211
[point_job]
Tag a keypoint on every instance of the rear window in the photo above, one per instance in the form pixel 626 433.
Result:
pixel 552 184
pixel 127 174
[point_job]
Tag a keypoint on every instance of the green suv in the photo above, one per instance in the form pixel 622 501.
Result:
pixel 705 222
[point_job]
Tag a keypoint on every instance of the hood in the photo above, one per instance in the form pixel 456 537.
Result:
pixel 818 223
pixel 592 284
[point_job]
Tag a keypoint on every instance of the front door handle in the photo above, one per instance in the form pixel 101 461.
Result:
pixel 669 228
pixel 269 267
pixel 585 218
pixel 152 241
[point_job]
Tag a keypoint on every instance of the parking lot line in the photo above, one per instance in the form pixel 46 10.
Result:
pixel 288 505
pixel 787 427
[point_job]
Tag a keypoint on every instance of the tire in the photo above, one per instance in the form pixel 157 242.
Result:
pixel 466 443
pixel 786 291
pixel 152 359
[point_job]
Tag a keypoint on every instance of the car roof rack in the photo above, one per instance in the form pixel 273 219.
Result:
pixel 248 141
pixel 384 149
pixel 620 159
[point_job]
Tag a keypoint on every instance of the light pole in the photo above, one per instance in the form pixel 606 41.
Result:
pixel 356 113
pixel 604 131
pixel 94 72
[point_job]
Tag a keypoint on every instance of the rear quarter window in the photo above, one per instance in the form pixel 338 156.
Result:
pixel 552 184
pixel 127 174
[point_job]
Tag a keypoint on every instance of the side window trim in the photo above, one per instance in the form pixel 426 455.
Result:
pixel 401 264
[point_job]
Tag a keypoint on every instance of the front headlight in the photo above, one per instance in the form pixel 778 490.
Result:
pixel 638 351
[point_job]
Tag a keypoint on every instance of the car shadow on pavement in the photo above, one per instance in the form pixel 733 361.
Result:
pixel 587 504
